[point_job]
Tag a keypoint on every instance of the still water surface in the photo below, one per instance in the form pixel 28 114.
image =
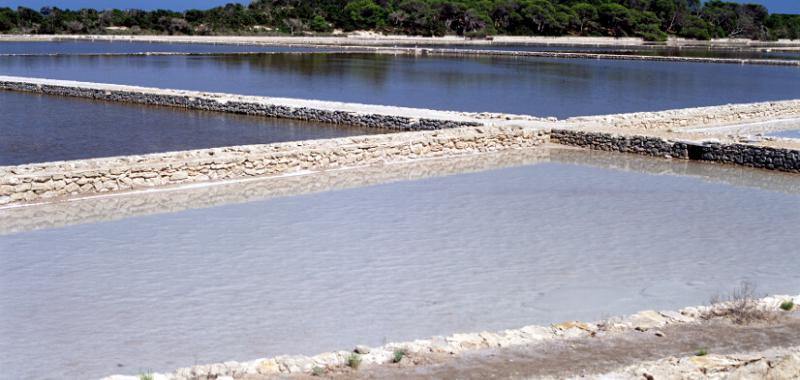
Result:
pixel 537 86
pixel 305 274
pixel 795 134
pixel 101 47
pixel 40 128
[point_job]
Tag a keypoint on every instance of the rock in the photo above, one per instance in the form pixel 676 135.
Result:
pixel 573 325
pixel 659 334
pixel 677 317
pixel 646 320
pixel 268 367
pixel 363 350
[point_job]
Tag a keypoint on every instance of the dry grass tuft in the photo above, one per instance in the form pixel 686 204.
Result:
pixel 740 306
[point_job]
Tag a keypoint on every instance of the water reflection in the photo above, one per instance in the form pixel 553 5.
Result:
pixel 71 128
pixel 536 86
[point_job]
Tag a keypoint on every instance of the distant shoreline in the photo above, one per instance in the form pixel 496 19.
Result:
pixel 383 40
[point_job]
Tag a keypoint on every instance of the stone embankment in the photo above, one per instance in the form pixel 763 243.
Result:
pixel 384 117
pixel 91 207
pixel 36 182
pixel 674 134
pixel 589 55
pixel 651 322
pixel 761 157
pixel 692 117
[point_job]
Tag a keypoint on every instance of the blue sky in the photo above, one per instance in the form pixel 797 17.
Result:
pixel 775 6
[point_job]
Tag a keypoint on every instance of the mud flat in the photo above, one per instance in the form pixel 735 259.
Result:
pixel 734 332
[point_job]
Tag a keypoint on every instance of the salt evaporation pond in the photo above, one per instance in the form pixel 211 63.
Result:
pixel 121 47
pixel 305 274
pixel 41 128
pixel 137 47
pixel 538 86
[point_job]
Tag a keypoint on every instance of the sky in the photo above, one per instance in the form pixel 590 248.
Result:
pixel 775 6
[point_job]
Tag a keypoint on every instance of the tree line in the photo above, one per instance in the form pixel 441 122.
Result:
pixel 649 19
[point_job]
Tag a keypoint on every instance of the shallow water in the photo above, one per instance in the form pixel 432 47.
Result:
pixel 795 134
pixel 40 128
pixel 537 86
pixel 305 274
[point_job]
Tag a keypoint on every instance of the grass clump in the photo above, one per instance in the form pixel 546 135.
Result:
pixel 146 376
pixel 701 352
pixel 354 361
pixel 399 354
pixel 787 305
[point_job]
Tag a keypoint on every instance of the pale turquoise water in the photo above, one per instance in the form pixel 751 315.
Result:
pixel 301 275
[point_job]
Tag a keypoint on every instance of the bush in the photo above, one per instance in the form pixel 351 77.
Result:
pixel 399 354
pixel 354 361
pixel 320 25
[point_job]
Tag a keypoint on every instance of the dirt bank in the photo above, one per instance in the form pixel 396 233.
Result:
pixel 591 356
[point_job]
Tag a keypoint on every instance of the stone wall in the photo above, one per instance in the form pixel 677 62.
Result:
pixel 35 182
pixel 591 55
pixel 693 117
pixel 214 103
pixel 93 210
pixel 787 160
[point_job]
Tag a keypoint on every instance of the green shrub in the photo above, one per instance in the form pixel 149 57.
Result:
pixel 399 354
pixel 354 361
pixel 787 305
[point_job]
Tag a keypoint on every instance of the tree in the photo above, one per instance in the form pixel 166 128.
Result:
pixel 585 13
pixel 365 14
pixel 541 14
pixel 695 27
pixel 8 19
pixel 616 18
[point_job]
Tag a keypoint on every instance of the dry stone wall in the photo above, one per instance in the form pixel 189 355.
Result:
pixel 370 120
pixel 787 160
pixel 693 117
pixel 30 183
